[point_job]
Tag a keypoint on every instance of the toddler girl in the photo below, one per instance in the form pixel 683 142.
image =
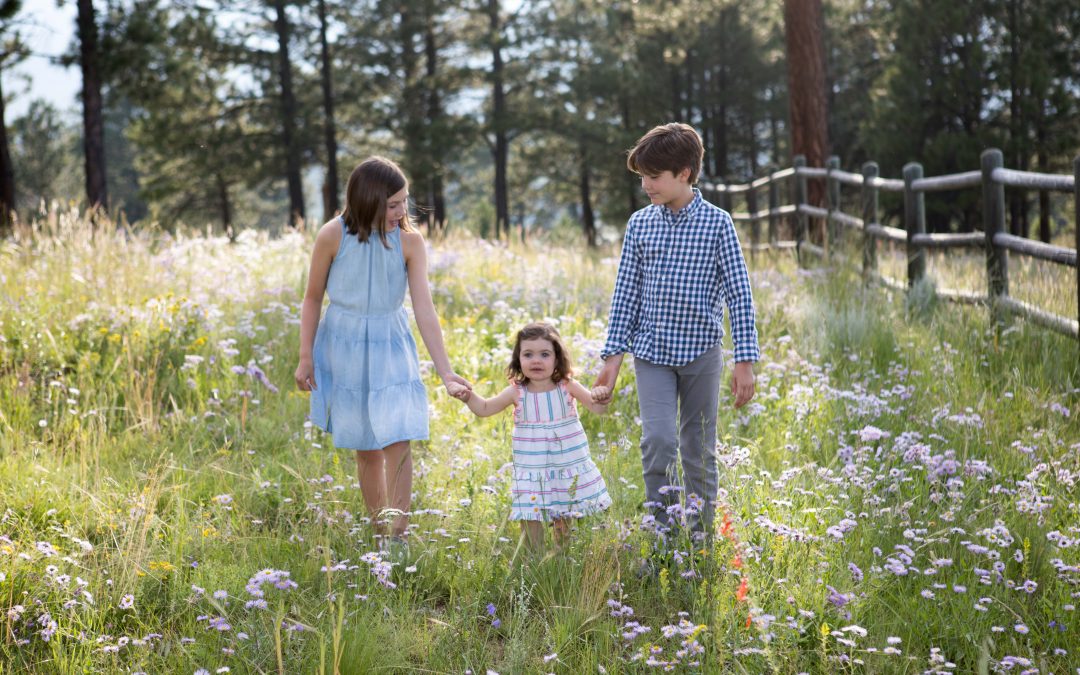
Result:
pixel 554 477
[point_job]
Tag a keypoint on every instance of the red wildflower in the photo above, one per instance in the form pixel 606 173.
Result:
pixel 744 588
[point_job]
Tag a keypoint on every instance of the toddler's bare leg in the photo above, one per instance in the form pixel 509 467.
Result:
pixel 533 532
pixel 560 527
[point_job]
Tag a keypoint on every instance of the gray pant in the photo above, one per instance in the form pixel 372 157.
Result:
pixel 687 395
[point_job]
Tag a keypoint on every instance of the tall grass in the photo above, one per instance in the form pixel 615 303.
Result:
pixel 900 496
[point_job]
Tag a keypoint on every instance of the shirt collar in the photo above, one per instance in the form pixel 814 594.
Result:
pixel 687 210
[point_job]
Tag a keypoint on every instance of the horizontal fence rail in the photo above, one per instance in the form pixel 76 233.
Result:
pixel 992 177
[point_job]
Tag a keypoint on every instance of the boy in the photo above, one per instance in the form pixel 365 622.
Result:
pixel 680 260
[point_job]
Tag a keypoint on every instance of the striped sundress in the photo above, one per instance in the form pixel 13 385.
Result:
pixel 554 476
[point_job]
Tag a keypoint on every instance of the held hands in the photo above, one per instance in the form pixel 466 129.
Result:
pixel 457 386
pixel 601 394
pixel 604 385
pixel 742 383
pixel 458 391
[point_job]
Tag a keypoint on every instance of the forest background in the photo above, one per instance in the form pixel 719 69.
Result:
pixel 249 114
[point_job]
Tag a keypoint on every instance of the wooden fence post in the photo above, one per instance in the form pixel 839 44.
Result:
pixel 869 216
pixel 914 223
pixel 800 200
pixel 832 192
pixel 774 203
pixel 755 224
pixel 997 260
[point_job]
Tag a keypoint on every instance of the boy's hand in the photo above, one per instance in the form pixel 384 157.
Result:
pixel 742 383
pixel 609 374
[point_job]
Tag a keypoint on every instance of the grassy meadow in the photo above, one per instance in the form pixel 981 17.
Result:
pixel 900 497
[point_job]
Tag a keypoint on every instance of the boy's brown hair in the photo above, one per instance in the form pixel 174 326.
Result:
pixel 668 147
pixel 540 331
pixel 372 183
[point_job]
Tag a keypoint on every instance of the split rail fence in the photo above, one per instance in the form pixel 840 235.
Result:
pixel 994 240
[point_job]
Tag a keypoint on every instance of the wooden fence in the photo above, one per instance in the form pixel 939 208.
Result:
pixel 994 240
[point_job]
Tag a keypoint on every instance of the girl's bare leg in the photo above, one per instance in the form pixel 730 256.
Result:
pixel 398 468
pixel 370 472
pixel 533 532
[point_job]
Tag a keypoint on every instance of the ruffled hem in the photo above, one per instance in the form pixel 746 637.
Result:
pixel 557 476
pixel 360 419
pixel 549 513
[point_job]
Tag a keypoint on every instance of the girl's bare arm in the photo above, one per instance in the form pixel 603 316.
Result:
pixel 427 320
pixel 326 245
pixel 585 397
pixel 486 407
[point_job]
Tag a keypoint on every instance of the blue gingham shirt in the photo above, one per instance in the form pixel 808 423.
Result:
pixel 674 271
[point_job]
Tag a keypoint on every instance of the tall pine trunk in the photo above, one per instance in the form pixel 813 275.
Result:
pixel 7 177
pixel 1017 139
pixel 501 148
pixel 225 204
pixel 288 117
pixel 588 218
pixel 93 117
pixel 803 28
pixel 436 198
pixel 1043 160
pixel 330 185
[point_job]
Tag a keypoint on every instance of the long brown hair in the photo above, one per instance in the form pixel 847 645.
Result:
pixel 371 184
pixel 540 331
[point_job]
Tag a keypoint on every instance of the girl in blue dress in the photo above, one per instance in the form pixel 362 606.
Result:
pixel 360 362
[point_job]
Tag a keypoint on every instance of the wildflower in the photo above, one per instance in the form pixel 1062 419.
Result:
pixel 256 373
pixel 50 628
pixel 837 598
pixel 46 549
pixel 856 573
pixel 744 588
pixel 869 434
pixel 127 602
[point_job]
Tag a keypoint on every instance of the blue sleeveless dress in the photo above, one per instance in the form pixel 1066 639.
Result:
pixel 368 393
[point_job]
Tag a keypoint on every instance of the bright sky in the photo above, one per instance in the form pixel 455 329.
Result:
pixel 48 30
